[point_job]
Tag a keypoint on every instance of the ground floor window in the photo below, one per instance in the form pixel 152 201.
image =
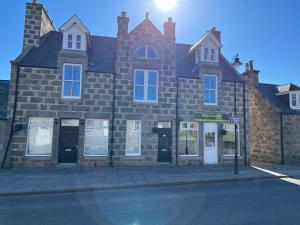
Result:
pixel 229 140
pixel 96 137
pixel 39 137
pixel 133 138
pixel 188 138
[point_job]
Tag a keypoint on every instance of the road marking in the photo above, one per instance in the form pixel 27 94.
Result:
pixel 283 176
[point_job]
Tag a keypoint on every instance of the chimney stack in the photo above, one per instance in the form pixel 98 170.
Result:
pixel 37 23
pixel 123 22
pixel 169 30
pixel 216 33
pixel 251 75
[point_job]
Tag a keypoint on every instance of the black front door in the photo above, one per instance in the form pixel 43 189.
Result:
pixel 68 147
pixel 164 145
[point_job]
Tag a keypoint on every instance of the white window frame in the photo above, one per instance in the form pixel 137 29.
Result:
pixel 197 138
pixel 239 143
pixel 63 82
pixel 216 90
pixel 27 140
pixel 140 139
pixel 146 79
pixel 297 93
pixel 95 155
pixel 74 41
pixel 146 52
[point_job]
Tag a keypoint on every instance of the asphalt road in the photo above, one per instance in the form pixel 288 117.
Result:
pixel 260 202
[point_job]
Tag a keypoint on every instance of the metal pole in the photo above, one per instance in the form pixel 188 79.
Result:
pixel 236 166
pixel 177 120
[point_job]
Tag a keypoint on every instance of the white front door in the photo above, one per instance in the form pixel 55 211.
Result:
pixel 210 143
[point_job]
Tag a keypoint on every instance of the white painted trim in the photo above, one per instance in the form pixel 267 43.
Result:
pixel 297 99
pixel 98 155
pixel 216 141
pixel 217 95
pixel 140 140
pixel 27 139
pixel 63 79
pixel 146 79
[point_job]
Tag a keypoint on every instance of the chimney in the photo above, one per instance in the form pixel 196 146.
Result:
pixel 169 30
pixel 216 33
pixel 37 23
pixel 251 75
pixel 123 22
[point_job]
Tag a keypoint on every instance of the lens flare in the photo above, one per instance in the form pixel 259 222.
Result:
pixel 166 5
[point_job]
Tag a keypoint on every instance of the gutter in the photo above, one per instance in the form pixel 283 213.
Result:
pixel 13 115
pixel 177 120
pixel 112 122
pixel 281 139
pixel 245 126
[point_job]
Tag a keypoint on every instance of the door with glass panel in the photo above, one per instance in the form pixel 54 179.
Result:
pixel 68 141
pixel 210 143
pixel 164 142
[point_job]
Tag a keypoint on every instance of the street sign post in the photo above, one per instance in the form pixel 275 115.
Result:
pixel 234 120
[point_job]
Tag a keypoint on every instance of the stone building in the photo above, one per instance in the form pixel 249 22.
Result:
pixel 139 98
pixel 274 120
pixel 4 87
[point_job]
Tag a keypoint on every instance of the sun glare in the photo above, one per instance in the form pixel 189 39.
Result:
pixel 166 5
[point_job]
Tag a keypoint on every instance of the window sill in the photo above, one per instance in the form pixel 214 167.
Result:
pixel 145 102
pixel 188 156
pixel 95 156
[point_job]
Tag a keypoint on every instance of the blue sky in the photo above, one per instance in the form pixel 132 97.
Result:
pixel 267 31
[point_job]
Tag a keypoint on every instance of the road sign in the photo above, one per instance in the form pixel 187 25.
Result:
pixel 234 120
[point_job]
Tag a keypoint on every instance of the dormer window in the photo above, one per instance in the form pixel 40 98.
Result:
pixel 212 54
pixel 205 54
pixel 70 40
pixel 78 41
pixel 75 34
pixel 209 55
pixel 295 100
pixel 146 52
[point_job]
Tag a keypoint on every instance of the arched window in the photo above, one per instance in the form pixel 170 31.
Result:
pixel 146 52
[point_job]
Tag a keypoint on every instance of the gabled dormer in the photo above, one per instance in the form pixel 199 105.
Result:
pixel 291 92
pixel 74 34
pixel 207 49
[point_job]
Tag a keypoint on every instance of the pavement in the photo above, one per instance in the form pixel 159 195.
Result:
pixel 255 202
pixel 37 181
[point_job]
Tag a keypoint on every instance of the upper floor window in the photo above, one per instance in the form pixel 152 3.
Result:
pixel 209 55
pixel 295 100
pixel 145 85
pixel 74 41
pixel 71 86
pixel 210 90
pixel 146 52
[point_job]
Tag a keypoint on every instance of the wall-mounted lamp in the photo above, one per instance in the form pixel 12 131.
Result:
pixel 19 126
pixel 155 128
pixel 81 121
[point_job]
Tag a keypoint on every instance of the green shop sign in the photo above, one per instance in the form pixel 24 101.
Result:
pixel 216 118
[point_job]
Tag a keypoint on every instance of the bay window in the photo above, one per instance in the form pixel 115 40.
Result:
pixel 188 138
pixel 133 138
pixel 39 136
pixel 96 137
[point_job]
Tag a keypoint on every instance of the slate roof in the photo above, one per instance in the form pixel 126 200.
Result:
pixel 277 99
pixel 101 56
pixel 4 88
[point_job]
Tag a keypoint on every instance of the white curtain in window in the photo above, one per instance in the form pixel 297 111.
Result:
pixel 40 133
pixel 96 137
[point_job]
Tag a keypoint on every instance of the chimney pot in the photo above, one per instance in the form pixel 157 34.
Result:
pixel 123 14
pixel 170 19
pixel 33 1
